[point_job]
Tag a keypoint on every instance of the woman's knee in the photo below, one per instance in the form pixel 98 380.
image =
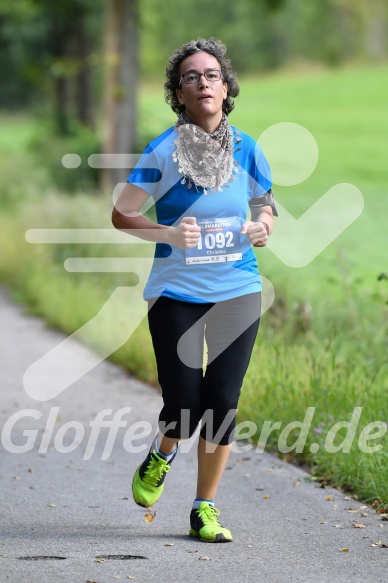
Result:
pixel 179 424
pixel 218 428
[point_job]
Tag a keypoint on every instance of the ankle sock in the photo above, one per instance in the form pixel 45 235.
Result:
pixel 198 501
pixel 165 456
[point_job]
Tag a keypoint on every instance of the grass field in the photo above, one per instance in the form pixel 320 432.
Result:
pixel 323 344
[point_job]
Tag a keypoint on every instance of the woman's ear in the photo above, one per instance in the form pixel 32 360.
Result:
pixel 179 95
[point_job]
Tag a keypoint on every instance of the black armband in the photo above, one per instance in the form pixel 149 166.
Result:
pixel 266 199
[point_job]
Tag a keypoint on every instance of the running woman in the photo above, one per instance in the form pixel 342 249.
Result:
pixel 205 177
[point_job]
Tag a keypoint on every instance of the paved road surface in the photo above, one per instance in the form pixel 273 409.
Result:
pixel 75 510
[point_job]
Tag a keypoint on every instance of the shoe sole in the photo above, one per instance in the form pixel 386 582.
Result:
pixel 220 538
pixel 134 499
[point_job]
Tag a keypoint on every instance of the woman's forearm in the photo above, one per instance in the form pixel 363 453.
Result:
pixel 136 224
pixel 266 218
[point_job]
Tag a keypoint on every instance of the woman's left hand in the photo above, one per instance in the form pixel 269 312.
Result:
pixel 256 233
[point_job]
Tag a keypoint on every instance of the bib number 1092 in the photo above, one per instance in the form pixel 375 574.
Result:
pixel 218 240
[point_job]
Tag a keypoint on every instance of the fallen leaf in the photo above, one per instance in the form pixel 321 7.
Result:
pixel 357 525
pixel 337 525
pixel 205 558
pixel 323 523
pixel 296 483
pixel 346 498
pixel 329 497
pixel 169 545
pixel 266 497
pixel 149 517
pixel 246 475
pixel 51 505
pixel 363 507
pixel 100 560
pixel 345 550
pixel 364 514
pixel 377 543
pixel 384 546
pixel 351 510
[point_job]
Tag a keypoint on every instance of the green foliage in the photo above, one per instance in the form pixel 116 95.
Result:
pixel 21 34
pixel 49 148
pixel 42 42
pixel 263 35
pixel 251 40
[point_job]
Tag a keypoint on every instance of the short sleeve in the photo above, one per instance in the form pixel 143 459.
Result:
pixel 156 173
pixel 147 173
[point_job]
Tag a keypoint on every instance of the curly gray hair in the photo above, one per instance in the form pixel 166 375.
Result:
pixel 214 47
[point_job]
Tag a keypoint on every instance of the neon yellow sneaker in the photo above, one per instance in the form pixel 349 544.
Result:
pixel 148 481
pixel 206 526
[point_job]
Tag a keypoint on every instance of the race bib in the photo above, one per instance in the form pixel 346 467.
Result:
pixel 220 241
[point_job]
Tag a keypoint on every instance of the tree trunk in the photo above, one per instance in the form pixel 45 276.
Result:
pixel 83 88
pixel 120 84
pixel 59 47
pixel 377 29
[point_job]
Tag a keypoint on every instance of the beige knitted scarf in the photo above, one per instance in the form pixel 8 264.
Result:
pixel 204 159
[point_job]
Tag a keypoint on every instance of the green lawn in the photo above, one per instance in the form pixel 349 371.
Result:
pixel 323 344
pixel 16 132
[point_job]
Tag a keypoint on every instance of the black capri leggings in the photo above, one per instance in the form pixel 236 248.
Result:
pixel 178 330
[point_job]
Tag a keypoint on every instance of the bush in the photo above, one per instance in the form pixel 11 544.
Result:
pixel 49 149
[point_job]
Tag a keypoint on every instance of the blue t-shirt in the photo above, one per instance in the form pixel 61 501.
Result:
pixel 223 265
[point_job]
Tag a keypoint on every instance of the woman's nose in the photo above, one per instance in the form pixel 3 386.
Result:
pixel 203 82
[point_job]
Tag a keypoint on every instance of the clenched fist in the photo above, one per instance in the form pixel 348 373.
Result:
pixel 186 234
pixel 256 233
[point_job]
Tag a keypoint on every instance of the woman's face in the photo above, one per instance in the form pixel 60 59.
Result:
pixel 202 100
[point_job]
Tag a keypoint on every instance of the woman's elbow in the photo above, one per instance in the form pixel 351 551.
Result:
pixel 116 218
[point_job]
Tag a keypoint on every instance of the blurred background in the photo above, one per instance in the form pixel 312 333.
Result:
pixel 86 76
pixel 77 65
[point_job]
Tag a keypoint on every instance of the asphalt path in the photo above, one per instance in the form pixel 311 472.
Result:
pixel 66 512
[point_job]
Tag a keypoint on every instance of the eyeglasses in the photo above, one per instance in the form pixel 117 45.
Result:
pixel 194 76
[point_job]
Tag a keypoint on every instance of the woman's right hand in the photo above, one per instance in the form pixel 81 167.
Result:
pixel 186 234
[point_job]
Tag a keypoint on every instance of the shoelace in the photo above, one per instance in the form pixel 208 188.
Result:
pixel 155 471
pixel 209 514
